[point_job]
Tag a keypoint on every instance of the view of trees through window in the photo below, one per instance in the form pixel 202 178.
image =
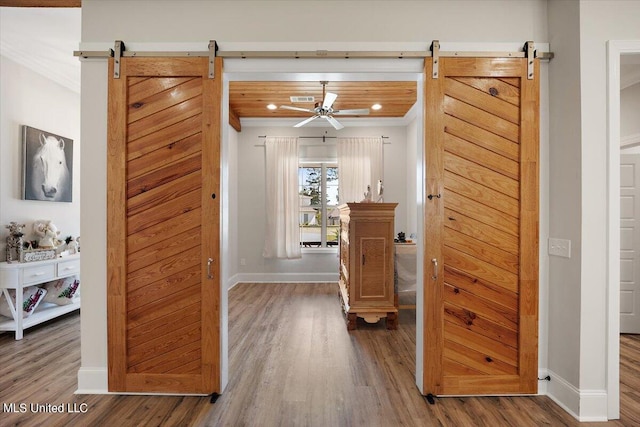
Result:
pixel 319 216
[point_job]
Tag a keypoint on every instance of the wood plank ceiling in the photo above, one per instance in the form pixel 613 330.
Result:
pixel 250 99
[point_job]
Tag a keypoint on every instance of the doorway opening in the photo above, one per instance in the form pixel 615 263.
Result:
pixel 242 149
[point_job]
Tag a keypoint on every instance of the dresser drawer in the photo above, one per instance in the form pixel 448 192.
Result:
pixel 39 273
pixel 68 268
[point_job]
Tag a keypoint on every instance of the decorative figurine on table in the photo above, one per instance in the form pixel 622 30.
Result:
pixel 47 233
pixel 380 191
pixel 401 238
pixel 14 241
pixel 367 195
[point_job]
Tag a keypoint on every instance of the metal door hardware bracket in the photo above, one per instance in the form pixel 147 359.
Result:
pixel 434 196
pixel 530 51
pixel 213 51
pixel 118 49
pixel 435 54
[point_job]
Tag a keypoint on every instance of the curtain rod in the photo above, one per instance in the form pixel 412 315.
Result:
pixel 323 137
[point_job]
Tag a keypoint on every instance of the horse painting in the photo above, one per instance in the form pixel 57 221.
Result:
pixel 47 175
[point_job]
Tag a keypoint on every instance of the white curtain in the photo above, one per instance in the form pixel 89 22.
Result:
pixel 360 163
pixel 282 237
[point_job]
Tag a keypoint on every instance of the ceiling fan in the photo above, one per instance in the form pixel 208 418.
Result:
pixel 325 110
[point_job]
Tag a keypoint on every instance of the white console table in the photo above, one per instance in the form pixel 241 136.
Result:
pixel 19 275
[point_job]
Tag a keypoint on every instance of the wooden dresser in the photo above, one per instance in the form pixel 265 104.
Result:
pixel 366 263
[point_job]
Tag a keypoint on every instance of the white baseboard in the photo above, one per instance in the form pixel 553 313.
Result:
pixel 285 277
pixel 93 381
pixel 583 405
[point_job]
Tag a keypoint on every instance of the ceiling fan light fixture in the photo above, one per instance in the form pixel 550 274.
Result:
pixel 272 107
pixel 376 107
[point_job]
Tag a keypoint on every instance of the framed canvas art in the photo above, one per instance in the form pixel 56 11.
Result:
pixel 48 166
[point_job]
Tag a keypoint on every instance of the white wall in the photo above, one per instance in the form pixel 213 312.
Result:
pixel 313 266
pixel 564 199
pixel 268 25
pixel 30 99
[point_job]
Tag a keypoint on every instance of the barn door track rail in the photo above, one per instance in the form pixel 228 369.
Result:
pixel 528 51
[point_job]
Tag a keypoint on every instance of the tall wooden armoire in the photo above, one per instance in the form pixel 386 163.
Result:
pixel 366 263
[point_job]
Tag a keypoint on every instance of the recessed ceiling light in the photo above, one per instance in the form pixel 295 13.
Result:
pixel 376 106
pixel 272 106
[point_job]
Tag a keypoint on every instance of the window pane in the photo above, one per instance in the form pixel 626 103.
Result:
pixel 332 186
pixel 309 179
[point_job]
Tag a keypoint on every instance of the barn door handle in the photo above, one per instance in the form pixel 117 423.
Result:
pixel 435 269
pixel 209 275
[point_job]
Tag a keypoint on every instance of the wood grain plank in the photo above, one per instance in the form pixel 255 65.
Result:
pixel 482 175
pixel 513 81
pixel 159 347
pixel 162 289
pixel 529 228
pixel 158 308
pixel 164 175
pixel 166 267
pixel 164 212
pixel 159 327
pixel 480 269
pixel 466 319
pixel 433 235
pixel 164 193
pixel 482 213
pixel 146 107
pixel 160 232
pixel 481 119
pixel 480 67
pixel 481 288
pixel 161 250
pixel 481 231
pixel 477 154
pixel 167 154
pixel 477 360
pixel 168 361
pixel 481 307
pixel 494 87
pixel 169 135
pixel 116 229
pixel 481 194
pixel 482 100
pixel 482 138
pixel 494 349
pixel 452 367
pixel 165 118
pixel 481 250
pixel 141 88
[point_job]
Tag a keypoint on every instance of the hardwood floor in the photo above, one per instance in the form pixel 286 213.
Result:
pixel 292 363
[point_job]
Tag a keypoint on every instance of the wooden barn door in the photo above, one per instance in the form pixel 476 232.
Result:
pixel 481 242
pixel 163 226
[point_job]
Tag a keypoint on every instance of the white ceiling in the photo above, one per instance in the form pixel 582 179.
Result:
pixel 43 40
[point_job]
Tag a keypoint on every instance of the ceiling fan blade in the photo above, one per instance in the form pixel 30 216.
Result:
pixel 355 112
pixel 305 121
pixel 287 107
pixel 329 99
pixel 336 124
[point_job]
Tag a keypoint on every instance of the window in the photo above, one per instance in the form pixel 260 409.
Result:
pixel 319 215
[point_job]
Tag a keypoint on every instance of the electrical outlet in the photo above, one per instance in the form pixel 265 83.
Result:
pixel 560 247
pixel 243 261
